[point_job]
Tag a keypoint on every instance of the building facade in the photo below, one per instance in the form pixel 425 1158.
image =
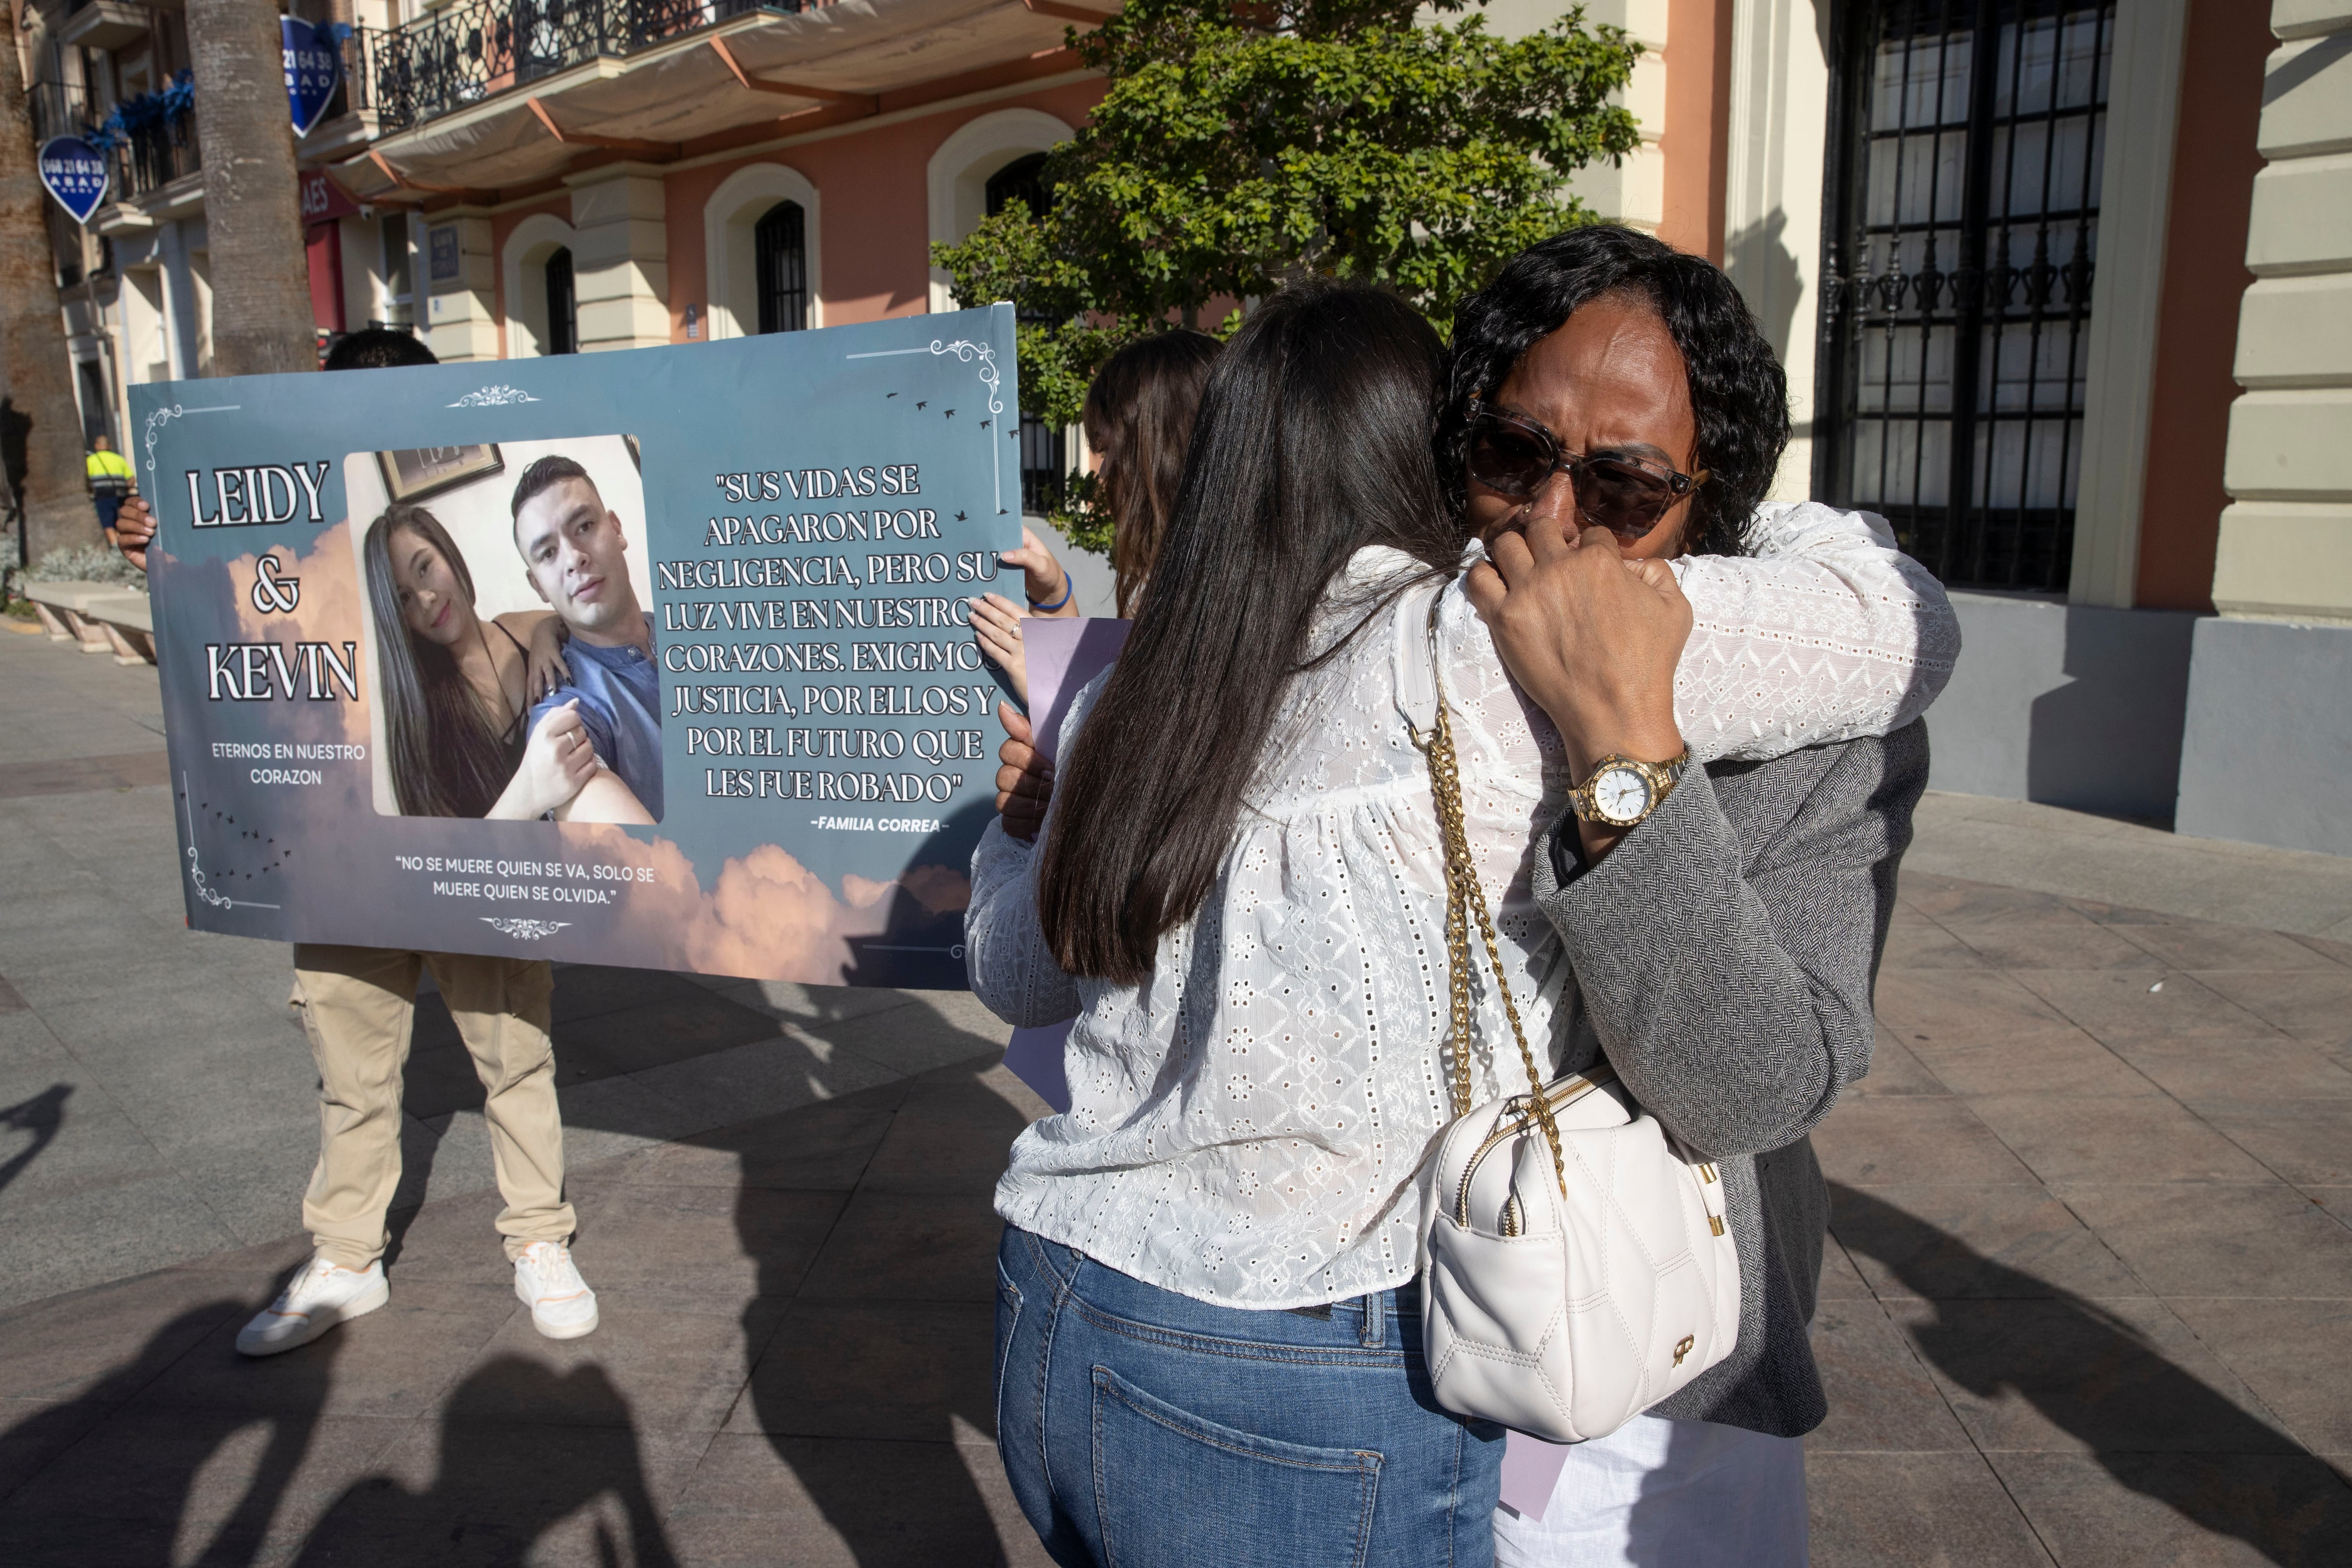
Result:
pixel 2064 286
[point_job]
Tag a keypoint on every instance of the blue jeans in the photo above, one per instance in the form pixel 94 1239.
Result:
pixel 1142 1428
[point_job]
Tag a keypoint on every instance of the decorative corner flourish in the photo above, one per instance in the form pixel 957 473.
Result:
pixel 986 355
pixel 527 931
pixel 967 350
pixel 494 397
pixel 156 421
pixel 205 890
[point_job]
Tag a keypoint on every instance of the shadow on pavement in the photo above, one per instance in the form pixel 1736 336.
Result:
pixel 523 1448
pixel 2098 1379
pixel 123 1497
pixel 41 1116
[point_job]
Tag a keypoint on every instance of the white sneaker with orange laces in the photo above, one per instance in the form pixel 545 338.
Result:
pixel 315 1300
pixel 561 1305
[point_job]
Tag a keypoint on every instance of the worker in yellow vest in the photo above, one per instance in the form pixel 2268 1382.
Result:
pixel 109 482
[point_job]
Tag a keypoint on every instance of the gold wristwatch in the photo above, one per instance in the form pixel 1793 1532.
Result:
pixel 1622 791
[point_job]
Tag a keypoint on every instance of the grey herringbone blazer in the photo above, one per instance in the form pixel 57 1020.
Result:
pixel 1724 955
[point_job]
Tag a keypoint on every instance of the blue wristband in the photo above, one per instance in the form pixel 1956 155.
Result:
pixel 1066 588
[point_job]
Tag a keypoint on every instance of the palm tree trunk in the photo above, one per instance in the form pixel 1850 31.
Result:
pixel 253 219
pixel 58 510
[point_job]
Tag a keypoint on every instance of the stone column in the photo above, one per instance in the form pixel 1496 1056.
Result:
pixel 2267 751
pixel 620 258
pixel 461 276
pixel 2286 538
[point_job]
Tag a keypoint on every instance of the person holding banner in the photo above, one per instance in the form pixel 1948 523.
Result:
pixel 1139 422
pixel 358 1006
pixel 1208 1276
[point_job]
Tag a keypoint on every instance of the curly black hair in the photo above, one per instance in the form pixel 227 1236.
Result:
pixel 1737 391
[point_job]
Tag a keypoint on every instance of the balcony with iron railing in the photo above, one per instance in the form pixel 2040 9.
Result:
pixel 462 53
pixel 149 141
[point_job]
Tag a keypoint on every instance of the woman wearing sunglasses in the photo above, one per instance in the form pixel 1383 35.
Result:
pixel 1208 1336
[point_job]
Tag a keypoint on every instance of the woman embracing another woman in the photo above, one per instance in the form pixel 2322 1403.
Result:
pixel 1209 1318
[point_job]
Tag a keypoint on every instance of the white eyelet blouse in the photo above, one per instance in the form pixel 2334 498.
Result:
pixel 1246 1127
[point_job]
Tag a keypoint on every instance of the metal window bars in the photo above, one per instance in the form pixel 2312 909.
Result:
pixel 1966 145
pixel 155 144
pixel 465 53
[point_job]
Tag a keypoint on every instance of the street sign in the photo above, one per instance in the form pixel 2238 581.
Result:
pixel 75 173
pixel 314 66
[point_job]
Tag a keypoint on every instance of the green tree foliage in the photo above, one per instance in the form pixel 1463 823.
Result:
pixel 1243 146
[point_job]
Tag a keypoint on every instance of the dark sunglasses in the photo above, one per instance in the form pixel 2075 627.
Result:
pixel 1514 456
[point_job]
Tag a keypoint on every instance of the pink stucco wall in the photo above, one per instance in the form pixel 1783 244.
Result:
pixel 875 231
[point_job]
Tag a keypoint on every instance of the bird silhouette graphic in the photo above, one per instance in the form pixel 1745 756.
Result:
pixel 888 396
pixel 922 405
pixel 960 517
pixel 951 413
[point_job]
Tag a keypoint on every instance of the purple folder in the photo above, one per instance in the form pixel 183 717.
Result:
pixel 1061 655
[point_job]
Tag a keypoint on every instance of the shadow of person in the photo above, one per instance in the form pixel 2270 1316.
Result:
pixel 111 1474
pixel 42 1116
pixel 871 1362
pixel 2157 1428
pixel 528 1453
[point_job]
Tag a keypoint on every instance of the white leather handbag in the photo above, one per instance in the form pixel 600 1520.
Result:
pixel 1576 1264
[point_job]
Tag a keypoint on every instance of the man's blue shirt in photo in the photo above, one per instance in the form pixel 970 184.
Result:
pixel 620 707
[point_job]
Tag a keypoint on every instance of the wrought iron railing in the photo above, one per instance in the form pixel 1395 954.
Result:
pixel 464 52
pixel 1956 298
pixel 148 141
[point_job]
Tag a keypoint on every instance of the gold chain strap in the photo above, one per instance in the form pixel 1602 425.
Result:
pixel 1463 894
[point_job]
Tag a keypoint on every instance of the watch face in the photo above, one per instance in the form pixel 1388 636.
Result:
pixel 1621 795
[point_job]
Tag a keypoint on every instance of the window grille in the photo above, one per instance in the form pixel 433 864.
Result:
pixel 562 306
pixel 1966 143
pixel 1044 457
pixel 780 241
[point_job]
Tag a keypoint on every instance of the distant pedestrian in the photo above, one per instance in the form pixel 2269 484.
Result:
pixel 109 482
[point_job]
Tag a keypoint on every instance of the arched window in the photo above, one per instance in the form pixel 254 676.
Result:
pixel 562 305
pixel 1023 181
pixel 1044 456
pixel 780 254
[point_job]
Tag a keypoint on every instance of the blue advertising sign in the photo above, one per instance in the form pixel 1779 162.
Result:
pixel 75 173
pixel 771 746
pixel 313 66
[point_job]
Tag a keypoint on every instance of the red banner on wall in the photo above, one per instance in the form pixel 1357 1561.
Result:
pixel 323 201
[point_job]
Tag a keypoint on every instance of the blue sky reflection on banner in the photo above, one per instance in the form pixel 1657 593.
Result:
pixel 802 518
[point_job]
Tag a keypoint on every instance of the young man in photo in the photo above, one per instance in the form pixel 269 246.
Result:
pixel 576 555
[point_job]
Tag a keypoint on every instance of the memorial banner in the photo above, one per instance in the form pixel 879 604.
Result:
pixel 771 741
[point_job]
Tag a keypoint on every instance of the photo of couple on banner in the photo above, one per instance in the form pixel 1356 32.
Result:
pixel 521 712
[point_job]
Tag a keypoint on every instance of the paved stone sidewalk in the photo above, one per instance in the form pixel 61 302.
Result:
pixel 2090 1299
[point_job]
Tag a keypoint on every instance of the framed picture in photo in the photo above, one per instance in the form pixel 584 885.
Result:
pixel 421 471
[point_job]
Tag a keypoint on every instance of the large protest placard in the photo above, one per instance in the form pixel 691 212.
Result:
pixel 753 558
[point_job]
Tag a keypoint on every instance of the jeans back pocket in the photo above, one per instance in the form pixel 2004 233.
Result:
pixel 1173 1490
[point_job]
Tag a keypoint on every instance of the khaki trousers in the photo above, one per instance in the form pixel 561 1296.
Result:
pixel 358 1005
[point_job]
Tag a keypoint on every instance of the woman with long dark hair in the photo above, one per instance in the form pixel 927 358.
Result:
pixel 1139 418
pixel 1209 1334
pixel 458 690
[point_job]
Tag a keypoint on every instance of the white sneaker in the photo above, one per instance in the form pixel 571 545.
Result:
pixel 561 1305
pixel 315 1300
